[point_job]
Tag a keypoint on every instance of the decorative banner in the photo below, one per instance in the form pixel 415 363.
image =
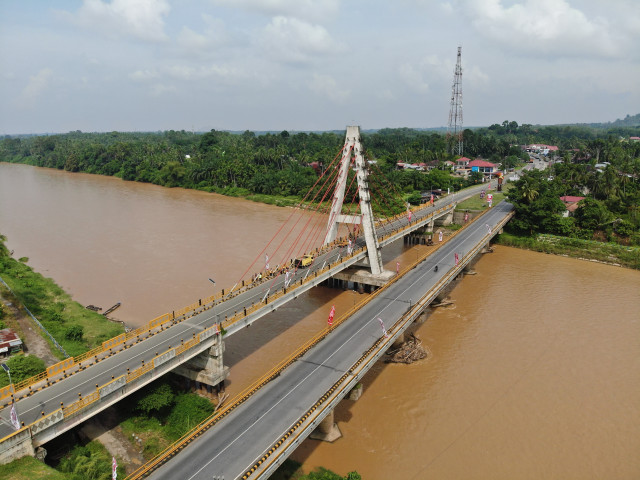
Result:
pixel 466 217
pixel 455 255
pixel 349 248
pixel 488 227
pixel 440 236
pixel 114 468
pixel 397 268
pixel 384 330
pixel 14 417
pixel 409 215
pixel 432 199
pixel 266 261
pixel 332 314
pixel 490 203
pixel 287 278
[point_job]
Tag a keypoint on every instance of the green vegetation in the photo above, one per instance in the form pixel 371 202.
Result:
pixel 89 462
pixel 159 416
pixel 477 203
pixel 273 168
pixel 21 367
pixel 73 326
pixel 28 468
pixel 575 247
pixel 290 470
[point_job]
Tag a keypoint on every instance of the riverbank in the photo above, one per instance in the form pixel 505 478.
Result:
pixel 609 253
pixel 75 328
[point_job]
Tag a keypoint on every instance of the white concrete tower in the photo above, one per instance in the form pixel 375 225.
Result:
pixel 353 147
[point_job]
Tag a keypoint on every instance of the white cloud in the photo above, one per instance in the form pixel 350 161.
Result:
pixel 326 86
pixel 292 40
pixel 143 19
pixel 213 36
pixel 312 10
pixel 542 27
pixel 36 86
pixel 143 75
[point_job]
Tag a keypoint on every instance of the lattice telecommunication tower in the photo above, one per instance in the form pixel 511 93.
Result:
pixel 455 112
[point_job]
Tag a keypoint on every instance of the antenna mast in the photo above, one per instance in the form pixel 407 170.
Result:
pixel 455 112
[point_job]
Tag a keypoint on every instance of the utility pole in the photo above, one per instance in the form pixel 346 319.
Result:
pixel 454 129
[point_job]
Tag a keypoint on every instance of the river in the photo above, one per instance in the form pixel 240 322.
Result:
pixel 533 372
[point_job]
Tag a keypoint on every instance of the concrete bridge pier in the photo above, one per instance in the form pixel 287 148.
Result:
pixel 327 430
pixel 206 372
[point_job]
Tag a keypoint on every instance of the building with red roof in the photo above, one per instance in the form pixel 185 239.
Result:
pixel 9 342
pixel 483 166
pixel 571 204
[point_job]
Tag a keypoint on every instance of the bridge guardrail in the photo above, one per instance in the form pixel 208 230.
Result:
pixel 344 382
pixel 275 371
pixel 74 364
pixel 101 391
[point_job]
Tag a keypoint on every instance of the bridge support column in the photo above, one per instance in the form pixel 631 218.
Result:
pixel 207 368
pixel 327 430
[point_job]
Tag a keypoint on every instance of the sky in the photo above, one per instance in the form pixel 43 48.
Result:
pixel 148 65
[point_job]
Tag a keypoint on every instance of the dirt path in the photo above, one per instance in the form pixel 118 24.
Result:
pixel 19 321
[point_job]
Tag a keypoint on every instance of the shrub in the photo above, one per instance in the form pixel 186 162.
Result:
pixel 22 367
pixel 74 333
pixel 188 411
pixel 159 398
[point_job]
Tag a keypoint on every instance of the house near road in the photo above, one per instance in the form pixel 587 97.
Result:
pixel 482 166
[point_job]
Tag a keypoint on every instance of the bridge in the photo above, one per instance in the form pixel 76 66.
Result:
pixel 190 340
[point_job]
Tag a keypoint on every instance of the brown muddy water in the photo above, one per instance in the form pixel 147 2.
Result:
pixel 534 372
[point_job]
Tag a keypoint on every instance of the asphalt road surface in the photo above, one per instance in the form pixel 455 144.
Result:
pixel 233 445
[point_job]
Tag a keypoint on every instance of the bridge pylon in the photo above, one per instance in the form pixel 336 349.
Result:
pixel 353 150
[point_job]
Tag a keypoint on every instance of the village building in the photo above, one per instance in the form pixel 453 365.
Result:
pixel 571 204
pixel 9 342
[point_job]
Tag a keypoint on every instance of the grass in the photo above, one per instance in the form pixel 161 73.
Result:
pixel 28 468
pixel 55 309
pixel 577 248
pixel 477 203
pixel 150 431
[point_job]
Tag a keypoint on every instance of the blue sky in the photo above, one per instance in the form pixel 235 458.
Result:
pixel 102 65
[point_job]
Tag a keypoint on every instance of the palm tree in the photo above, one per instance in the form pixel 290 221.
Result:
pixel 529 191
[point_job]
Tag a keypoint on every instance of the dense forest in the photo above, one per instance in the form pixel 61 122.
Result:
pixel 287 165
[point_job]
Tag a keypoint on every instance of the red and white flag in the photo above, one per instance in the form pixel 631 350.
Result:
pixel 266 261
pixel 217 328
pixel 440 236
pixel 397 268
pixel 455 255
pixel 287 278
pixel 349 248
pixel 466 217
pixel 409 214
pixel 384 330
pixel 332 314
pixel 432 199
pixel 488 227
pixel 14 417
pixel 114 468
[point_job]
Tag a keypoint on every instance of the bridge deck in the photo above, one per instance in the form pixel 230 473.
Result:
pixel 139 357
pixel 233 446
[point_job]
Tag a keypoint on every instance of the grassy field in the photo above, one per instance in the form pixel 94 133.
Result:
pixel 477 203
pixel 73 326
pixel 28 468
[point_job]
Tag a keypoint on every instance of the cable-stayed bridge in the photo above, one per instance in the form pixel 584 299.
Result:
pixel 190 340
